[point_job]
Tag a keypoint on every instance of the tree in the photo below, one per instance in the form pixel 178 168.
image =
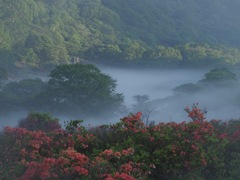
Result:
pixel 187 88
pixel 39 121
pixel 5 38
pixel 165 54
pixel 219 75
pixel 21 95
pixel 132 50
pixel 83 89
pixel 144 106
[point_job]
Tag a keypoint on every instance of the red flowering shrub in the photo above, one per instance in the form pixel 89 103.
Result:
pixel 133 122
pixel 109 163
pixel 198 149
pixel 232 153
pixel 195 113
pixel 40 154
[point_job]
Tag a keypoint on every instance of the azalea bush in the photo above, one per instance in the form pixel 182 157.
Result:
pixel 129 149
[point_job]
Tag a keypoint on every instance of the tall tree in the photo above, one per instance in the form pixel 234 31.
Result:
pixel 83 88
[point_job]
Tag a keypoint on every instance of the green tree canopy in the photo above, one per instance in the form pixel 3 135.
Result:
pixel 39 121
pixel 83 88
pixel 46 33
pixel 21 95
pixel 218 75
pixel 187 88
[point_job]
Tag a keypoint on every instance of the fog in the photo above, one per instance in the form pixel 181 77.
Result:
pixel 220 103
pixel 163 105
pixel 154 83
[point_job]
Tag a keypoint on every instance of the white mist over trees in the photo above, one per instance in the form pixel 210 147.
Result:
pixel 162 34
pixel 91 62
pixel 167 92
pixel 74 90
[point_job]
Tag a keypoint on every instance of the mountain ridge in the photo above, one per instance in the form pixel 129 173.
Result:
pixel 45 33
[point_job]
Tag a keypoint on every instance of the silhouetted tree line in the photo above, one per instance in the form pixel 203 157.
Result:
pixel 74 89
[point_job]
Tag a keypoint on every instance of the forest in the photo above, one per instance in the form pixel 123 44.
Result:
pixel 119 89
pixel 41 34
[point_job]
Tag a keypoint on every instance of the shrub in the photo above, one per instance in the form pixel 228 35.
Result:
pixel 129 149
pixel 39 121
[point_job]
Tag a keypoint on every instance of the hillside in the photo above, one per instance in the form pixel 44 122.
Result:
pixel 44 33
pixel 171 22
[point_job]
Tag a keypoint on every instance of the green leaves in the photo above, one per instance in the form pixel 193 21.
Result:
pixel 21 95
pixel 216 75
pixel 187 150
pixel 45 33
pixel 40 121
pixel 84 88
pixel 74 89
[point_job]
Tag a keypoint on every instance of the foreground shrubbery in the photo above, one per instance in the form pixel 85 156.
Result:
pixel 198 149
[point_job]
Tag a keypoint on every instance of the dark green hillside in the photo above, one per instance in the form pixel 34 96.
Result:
pixel 44 33
pixel 171 22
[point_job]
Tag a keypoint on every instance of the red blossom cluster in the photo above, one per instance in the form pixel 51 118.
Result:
pixel 69 163
pixel 133 123
pixel 129 151
pixel 196 114
pixel 37 170
pixel 133 151
pixel 109 153
pixel 126 167
pixel 121 161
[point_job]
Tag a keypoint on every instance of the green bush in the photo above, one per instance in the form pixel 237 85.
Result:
pixel 39 121
pixel 129 149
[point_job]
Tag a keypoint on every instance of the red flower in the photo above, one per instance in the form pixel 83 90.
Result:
pixel 123 176
pixel 107 152
pixel 127 168
pixel 81 158
pixel 80 170
pixel 117 154
pixel 129 151
pixel 151 139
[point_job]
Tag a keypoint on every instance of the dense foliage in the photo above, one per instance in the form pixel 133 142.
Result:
pixel 129 149
pixel 44 33
pixel 83 88
pixel 39 121
pixel 73 89
pixel 214 79
pixel 219 75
